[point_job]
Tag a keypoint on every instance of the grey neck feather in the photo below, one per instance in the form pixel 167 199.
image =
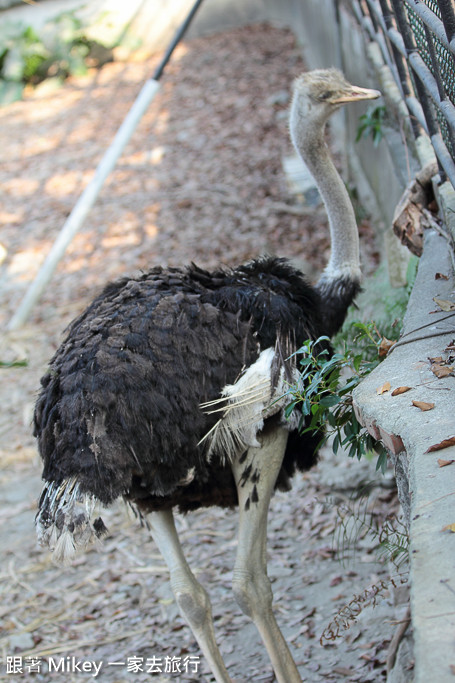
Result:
pixel 310 144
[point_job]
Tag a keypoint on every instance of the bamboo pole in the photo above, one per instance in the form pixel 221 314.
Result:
pixel 91 192
pixel 83 204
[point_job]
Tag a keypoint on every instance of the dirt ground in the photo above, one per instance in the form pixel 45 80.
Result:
pixel 201 180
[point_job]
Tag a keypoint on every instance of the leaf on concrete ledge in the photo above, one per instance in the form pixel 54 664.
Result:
pixel 449 527
pixel 445 443
pixel 385 346
pixel 385 387
pixel 438 368
pixel 444 463
pixel 423 405
pixel 441 276
pixel 444 304
pixel 400 390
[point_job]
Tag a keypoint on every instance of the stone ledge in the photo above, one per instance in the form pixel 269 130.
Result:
pixel 427 491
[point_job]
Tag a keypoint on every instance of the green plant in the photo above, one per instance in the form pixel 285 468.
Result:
pixel 381 301
pixel 349 613
pixel 60 49
pixel 355 521
pixel 393 540
pixel 24 56
pixel 323 393
pixel 372 124
pixel 13 364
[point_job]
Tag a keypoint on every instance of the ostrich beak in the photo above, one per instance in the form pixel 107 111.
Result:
pixel 355 94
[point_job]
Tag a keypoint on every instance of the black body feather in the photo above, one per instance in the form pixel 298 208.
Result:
pixel 119 408
pixel 337 296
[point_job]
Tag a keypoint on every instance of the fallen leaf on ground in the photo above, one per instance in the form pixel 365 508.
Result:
pixel 385 346
pixel 444 463
pixel 336 580
pixel 423 405
pixel 441 276
pixel 385 387
pixel 343 671
pixel 444 304
pixel 400 390
pixel 449 527
pixel 445 443
pixel 440 370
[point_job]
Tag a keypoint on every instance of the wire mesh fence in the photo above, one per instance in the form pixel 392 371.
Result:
pixel 417 41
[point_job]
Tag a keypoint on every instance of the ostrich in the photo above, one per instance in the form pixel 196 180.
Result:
pixel 169 391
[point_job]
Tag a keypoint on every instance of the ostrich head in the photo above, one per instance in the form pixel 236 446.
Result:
pixel 317 95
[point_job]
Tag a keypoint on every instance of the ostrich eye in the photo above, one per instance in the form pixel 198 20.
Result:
pixel 326 95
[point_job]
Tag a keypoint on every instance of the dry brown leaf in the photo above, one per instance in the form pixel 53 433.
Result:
pixel 449 527
pixel 336 580
pixel 445 443
pixel 423 405
pixel 441 276
pixel 444 463
pixel 343 671
pixel 441 370
pixel 385 346
pixel 400 390
pixel 385 387
pixel 444 304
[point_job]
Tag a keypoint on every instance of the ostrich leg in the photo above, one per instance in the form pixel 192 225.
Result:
pixel 255 477
pixel 192 599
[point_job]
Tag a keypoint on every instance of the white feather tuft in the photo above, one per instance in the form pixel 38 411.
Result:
pixel 64 520
pixel 65 549
pixel 244 407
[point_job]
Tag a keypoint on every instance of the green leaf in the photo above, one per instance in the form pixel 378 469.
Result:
pixel 289 408
pixel 314 409
pixel 14 364
pixel 382 462
pixel 329 401
pixel 324 394
pixel 331 419
pixel 353 450
pixel 306 406
pixel 348 431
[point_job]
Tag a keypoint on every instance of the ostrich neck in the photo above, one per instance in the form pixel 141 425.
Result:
pixel 344 259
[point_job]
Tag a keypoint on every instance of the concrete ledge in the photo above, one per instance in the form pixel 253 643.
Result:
pixel 427 491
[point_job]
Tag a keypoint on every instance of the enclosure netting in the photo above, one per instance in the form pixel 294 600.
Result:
pixel 417 39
